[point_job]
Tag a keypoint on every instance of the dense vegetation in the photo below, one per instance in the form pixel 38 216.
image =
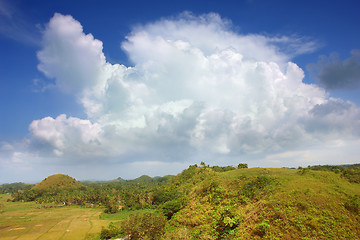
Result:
pixel 203 202
pixel 350 172
pixel 8 188
pixel 113 195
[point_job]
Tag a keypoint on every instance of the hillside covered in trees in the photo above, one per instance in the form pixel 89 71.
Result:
pixel 203 202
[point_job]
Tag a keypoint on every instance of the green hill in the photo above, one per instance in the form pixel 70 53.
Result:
pixel 59 182
pixel 261 203
pixel 143 179
pixel 119 179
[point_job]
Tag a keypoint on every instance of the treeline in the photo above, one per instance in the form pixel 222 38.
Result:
pixel 9 188
pixel 350 172
pixel 140 193
pixel 114 195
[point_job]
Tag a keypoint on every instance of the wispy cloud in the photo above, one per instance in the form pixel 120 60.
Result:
pixel 14 25
pixel 5 9
pixel 295 45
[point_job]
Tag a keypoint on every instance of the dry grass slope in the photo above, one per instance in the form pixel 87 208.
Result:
pixel 59 181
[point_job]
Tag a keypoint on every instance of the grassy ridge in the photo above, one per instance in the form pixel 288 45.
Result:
pixel 257 203
pixel 267 203
pixel 310 205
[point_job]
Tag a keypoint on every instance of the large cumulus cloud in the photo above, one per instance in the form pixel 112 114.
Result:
pixel 195 87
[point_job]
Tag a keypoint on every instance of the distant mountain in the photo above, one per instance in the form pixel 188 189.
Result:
pixel 164 178
pixel 119 179
pixel 143 178
pixel 148 179
pixel 87 182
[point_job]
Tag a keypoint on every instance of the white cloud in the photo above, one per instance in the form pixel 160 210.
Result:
pixel 74 59
pixel 332 152
pixel 335 118
pixel 6 146
pixel 196 88
pixel 71 135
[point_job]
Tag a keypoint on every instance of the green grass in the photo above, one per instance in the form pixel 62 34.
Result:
pixel 303 206
pixel 123 214
pixel 27 220
pixel 271 203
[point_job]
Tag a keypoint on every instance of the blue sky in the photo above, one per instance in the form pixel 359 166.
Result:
pixel 102 89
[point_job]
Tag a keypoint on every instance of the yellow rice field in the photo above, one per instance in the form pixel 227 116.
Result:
pixel 31 221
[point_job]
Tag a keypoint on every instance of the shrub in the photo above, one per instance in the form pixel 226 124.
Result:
pixel 353 204
pixel 111 205
pixel 262 228
pixel 352 175
pixel 256 188
pixel 178 234
pixel 226 220
pixel 146 225
pixel 242 165
pixel 302 171
pixel 111 232
pixel 171 207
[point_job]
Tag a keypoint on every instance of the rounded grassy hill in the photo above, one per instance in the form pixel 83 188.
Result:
pixel 58 181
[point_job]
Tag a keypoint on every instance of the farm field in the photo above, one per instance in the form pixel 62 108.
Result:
pixel 26 220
